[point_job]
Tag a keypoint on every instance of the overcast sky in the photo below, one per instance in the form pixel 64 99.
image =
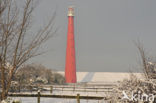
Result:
pixel 105 31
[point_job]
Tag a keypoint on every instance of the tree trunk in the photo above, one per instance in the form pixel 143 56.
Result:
pixel 3 95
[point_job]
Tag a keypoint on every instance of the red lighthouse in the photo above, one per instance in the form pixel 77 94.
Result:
pixel 70 66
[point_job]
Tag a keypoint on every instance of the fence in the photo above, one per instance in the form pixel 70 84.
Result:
pixel 67 88
pixel 75 88
pixel 39 95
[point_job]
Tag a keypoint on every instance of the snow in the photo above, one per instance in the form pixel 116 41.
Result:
pixel 54 100
pixel 100 80
pixel 102 77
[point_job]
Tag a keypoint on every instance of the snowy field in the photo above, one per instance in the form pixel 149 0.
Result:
pixel 57 100
pixel 103 77
pixel 54 100
pixel 91 78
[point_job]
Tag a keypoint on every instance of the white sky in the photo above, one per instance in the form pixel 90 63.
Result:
pixel 104 33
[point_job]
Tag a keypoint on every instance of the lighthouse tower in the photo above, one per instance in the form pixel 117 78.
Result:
pixel 70 66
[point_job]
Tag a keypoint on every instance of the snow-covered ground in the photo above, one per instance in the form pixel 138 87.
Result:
pixel 101 79
pixel 57 100
pixel 54 100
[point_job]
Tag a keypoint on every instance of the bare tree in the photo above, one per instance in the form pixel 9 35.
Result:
pixel 143 59
pixel 142 86
pixel 147 63
pixel 15 48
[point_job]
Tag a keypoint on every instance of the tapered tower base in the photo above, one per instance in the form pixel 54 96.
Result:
pixel 70 66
